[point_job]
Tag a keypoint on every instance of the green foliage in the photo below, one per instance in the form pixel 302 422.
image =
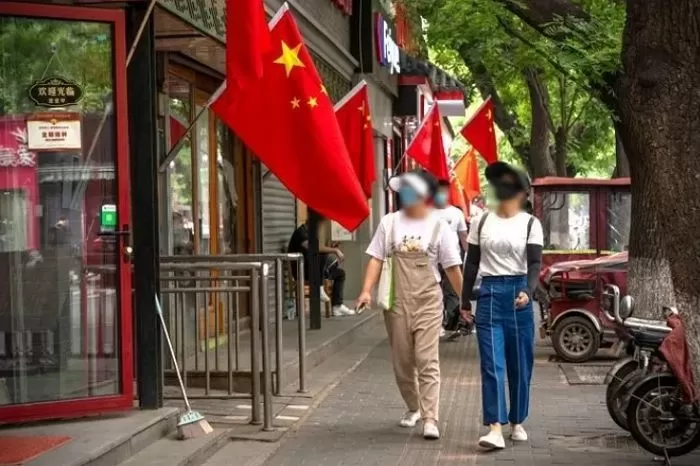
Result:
pixel 83 53
pixel 464 32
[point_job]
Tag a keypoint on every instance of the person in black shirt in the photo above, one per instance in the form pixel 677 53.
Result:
pixel 330 268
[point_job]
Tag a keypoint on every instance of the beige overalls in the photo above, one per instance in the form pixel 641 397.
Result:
pixel 414 325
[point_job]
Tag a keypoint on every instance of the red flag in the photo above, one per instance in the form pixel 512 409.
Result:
pixel 287 120
pixel 457 196
pixel 247 40
pixel 356 125
pixel 466 171
pixel 481 134
pixel 427 147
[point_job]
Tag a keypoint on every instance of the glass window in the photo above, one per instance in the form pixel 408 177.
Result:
pixel 180 169
pixel 619 220
pixel 566 221
pixel 59 306
pixel 226 190
pixel 202 128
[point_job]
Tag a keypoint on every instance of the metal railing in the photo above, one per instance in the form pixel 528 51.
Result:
pixel 215 285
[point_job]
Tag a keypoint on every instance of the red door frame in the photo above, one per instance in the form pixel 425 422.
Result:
pixel 124 400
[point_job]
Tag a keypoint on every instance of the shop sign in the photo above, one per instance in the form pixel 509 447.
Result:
pixel 54 131
pixel 13 147
pixel 108 218
pixel 387 48
pixel 55 92
pixel 338 233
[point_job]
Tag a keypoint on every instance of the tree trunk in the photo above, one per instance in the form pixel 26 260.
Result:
pixel 622 163
pixel 561 139
pixel 541 163
pixel 659 94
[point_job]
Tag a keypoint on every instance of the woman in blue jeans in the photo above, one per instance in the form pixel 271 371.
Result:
pixel 506 246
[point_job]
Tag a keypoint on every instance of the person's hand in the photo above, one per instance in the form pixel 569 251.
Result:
pixel 364 300
pixel 339 254
pixel 467 316
pixel 522 300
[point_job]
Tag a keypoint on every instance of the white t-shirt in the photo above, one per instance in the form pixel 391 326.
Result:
pixel 503 243
pixel 415 234
pixel 454 217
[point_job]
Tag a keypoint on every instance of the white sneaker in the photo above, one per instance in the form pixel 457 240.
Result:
pixel 492 441
pixel 342 310
pixel 443 332
pixel 517 433
pixel 324 296
pixel 430 431
pixel 410 419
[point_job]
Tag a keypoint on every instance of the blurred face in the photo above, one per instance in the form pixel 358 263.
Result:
pixel 442 197
pixel 507 188
pixel 409 197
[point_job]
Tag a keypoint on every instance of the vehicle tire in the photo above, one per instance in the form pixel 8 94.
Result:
pixel 576 339
pixel 618 391
pixel 652 417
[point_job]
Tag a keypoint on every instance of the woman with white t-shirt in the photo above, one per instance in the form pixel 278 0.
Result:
pixel 505 245
pixel 417 240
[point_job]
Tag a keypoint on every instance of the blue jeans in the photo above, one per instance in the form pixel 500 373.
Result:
pixel 506 337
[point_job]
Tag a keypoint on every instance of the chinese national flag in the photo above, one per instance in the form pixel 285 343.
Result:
pixel 457 196
pixel 481 134
pixel 356 125
pixel 288 121
pixel 247 39
pixel 427 147
pixel 466 171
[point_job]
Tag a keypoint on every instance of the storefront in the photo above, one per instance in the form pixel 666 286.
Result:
pixel 65 324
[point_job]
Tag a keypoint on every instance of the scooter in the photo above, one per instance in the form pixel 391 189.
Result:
pixel 643 338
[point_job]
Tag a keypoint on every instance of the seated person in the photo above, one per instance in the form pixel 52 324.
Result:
pixel 330 269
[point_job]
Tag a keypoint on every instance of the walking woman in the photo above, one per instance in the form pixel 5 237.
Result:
pixel 416 240
pixel 506 245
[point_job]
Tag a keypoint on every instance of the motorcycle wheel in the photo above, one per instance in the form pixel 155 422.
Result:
pixel 617 392
pixel 652 415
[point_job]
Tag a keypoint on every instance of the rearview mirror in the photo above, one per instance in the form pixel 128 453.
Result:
pixel 610 302
pixel 626 308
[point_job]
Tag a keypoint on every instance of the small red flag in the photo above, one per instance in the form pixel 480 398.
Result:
pixel 247 40
pixel 481 134
pixel 427 147
pixel 457 196
pixel 466 171
pixel 356 125
pixel 288 121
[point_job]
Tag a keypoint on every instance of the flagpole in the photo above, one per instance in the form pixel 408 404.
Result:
pixel 350 94
pixel 140 30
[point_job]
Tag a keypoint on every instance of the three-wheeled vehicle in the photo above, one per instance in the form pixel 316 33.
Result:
pixel 586 224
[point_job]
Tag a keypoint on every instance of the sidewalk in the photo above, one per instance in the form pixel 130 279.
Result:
pixel 356 423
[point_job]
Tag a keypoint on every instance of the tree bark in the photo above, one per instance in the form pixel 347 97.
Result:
pixel 622 163
pixel 660 122
pixel 561 139
pixel 541 163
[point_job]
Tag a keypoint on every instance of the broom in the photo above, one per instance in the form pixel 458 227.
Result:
pixel 191 424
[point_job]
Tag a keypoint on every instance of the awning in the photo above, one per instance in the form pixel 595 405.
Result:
pixel 54 174
pixel 448 91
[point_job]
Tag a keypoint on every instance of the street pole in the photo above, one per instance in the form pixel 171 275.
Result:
pixel 315 279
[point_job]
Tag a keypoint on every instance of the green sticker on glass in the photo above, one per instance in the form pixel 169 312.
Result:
pixel 108 218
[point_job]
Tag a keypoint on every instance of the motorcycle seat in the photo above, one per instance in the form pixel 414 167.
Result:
pixel 647 324
pixel 647 338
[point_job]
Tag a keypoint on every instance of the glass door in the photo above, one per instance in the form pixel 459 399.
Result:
pixel 65 280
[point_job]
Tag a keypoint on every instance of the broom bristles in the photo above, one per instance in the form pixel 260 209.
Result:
pixel 194 429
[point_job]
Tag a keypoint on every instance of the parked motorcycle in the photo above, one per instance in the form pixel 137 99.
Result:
pixel 643 338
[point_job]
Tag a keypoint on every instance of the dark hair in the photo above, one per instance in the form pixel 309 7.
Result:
pixel 443 183
pixel 527 207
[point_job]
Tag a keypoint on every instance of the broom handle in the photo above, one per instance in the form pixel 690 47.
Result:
pixel 172 353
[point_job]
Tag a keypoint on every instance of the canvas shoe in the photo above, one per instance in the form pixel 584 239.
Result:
pixel 409 419
pixel 342 310
pixel 431 431
pixel 517 433
pixel 492 441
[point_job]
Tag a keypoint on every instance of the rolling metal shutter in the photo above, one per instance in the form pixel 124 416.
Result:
pixel 279 220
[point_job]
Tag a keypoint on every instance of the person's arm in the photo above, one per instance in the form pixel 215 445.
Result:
pixel 374 269
pixel 377 254
pixel 534 264
pixel 471 270
pixel 463 235
pixel 454 275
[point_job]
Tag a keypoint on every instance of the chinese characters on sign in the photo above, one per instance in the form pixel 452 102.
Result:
pixel 14 151
pixel 387 49
pixel 55 92
pixel 54 131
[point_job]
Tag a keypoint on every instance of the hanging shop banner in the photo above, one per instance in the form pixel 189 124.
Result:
pixel 54 131
pixel 55 91
pixel 387 48
pixel 338 233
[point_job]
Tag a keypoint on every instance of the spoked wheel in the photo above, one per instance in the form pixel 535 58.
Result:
pixel 576 339
pixel 659 420
pixel 617 394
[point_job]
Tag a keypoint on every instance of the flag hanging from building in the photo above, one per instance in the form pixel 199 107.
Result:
pixel 287 120
pixel 247 41
pixel 355 122
pixel 466 171
pixel 427 146
pixel 481 133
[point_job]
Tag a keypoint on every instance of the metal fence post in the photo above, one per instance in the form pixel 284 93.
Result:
pixel 301 320
pixel 255 346
pixel 267 375
pixel 279 316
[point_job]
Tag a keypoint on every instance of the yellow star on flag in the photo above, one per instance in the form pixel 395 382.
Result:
pixel 295 102
pixel 290 58
pixel 488 114
pixel 313 102
pixel 361 108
